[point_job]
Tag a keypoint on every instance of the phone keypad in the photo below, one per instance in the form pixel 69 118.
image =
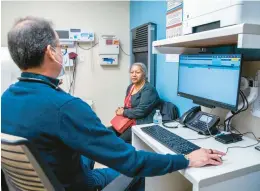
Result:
pixel 199 125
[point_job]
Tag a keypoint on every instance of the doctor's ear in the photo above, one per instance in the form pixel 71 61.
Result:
pixel 50 52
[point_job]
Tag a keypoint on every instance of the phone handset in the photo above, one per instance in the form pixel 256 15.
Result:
pixel 190 114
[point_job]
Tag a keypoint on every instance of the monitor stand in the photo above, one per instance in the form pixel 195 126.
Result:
pixel 203 104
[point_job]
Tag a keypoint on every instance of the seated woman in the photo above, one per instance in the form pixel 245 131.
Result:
pixel 144 100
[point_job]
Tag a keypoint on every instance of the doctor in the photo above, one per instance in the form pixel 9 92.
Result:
pixel 63 127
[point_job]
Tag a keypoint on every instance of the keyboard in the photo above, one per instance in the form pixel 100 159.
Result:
pixel 172 141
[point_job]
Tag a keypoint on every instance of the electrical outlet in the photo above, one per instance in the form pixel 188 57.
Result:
pixel 81 58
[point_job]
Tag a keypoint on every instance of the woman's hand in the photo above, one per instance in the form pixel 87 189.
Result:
pixel 120 111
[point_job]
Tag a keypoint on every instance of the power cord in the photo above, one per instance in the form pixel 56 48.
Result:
pixel 97 44
pixel 244 146
pixel 243 108
pixel 236 113
pixel 228 148
pixel 87 48
pixel 72 84
pixel 200 138
pixel 245 101
pixel 170 126
pixel 124 51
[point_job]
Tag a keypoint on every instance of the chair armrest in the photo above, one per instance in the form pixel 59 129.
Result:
pixel 119 184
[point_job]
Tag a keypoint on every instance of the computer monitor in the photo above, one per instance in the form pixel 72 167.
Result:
pixel 211 80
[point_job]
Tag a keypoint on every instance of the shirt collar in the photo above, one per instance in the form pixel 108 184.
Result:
pixel 41 77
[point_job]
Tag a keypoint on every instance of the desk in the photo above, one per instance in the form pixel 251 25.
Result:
pixel 240 170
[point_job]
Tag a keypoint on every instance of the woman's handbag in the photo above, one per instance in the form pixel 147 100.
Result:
pixel 121 123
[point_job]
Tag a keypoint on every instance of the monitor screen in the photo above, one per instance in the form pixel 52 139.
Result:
pixel 63 34
pixel 210 79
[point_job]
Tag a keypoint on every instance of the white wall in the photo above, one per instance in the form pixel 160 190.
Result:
pixel 9 71
pixel 106 86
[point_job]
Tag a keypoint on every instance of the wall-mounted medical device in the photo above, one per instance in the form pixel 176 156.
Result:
pixel 108 50
pixel 69 36
pixel 68 39
pixel 218 13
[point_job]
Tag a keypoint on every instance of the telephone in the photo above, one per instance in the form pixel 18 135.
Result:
pixel 187 116
pixel 200 121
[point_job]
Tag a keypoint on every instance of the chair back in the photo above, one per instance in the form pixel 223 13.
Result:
pixel 23 168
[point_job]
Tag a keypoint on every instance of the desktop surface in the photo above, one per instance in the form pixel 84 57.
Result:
pixel 237 162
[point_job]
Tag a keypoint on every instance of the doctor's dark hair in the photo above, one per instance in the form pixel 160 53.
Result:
pixel 28 40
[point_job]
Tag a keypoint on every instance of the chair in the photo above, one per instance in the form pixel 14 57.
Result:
pixel 24 169
pixel 169 111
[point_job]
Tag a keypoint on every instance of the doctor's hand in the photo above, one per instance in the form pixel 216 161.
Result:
pixel 120 111
pixel 204 157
